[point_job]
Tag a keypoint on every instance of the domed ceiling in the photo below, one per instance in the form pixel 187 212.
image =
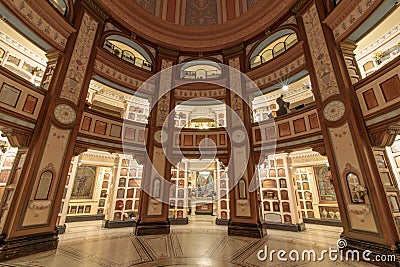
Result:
pixel 198 25
pixel 197 12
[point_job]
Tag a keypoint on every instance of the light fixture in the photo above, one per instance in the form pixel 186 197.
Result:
pixel 285 87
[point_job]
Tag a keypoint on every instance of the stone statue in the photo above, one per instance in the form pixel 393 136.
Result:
pixel 283 106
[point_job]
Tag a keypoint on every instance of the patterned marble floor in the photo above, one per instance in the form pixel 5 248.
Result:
pixel 200 243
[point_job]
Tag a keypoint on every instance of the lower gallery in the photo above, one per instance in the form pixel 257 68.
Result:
pixel 199 133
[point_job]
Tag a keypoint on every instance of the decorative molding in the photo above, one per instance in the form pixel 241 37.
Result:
pixel 96 8
pixel 384 136
pixel 189 93
pixel 41 20
pixel 167 51
pixel 109 69
pixel 232 50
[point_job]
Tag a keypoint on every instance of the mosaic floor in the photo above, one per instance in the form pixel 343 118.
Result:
pixel 200 243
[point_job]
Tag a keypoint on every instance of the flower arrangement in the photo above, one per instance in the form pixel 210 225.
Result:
pixel 378 55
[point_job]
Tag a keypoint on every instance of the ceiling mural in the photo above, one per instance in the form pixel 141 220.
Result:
pixel 198 12
pixel 201 12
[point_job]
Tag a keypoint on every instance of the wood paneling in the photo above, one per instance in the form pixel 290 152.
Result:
pixel 370 99
pixel 115 130
pixel 30 104
pixel 86 123
pixel 130 134
pixel 313 119
pixel 391 88
pixel 284 129
pixel 187 140
pixel 299 125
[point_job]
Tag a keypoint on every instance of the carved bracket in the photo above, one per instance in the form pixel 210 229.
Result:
pixel 384 136
pixel 17 138
pixel 79 150
pixel 320 148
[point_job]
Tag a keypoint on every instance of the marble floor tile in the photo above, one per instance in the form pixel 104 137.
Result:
pixel 200 243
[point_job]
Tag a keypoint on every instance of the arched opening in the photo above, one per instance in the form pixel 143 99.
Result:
pixel 200 114
pixel 199 192
pixel 62 6
pixel 272 47
pixel 200 69
pixel 129 51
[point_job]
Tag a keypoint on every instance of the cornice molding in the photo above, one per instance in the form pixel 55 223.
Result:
pixel 385 135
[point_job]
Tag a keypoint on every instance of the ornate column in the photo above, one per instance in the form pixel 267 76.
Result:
pixel 154 207
pixel 30 224
pixel 366 216
pixel 243 204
